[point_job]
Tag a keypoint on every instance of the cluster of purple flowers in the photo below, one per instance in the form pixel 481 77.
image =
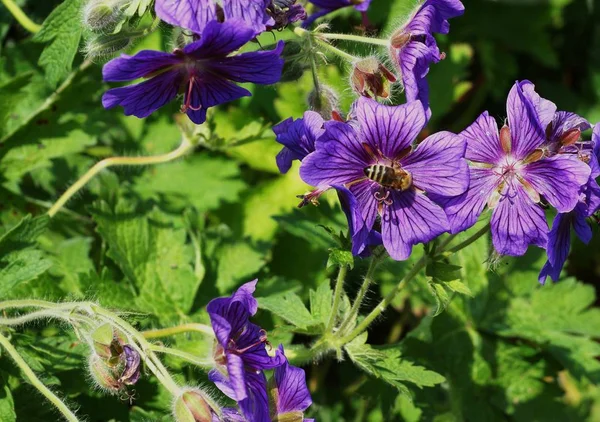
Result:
pixel 399 192
pixel 240 357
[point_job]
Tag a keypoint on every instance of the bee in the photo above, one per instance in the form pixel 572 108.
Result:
pixel 390 177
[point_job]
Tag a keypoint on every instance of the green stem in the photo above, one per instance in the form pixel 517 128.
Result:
pixel 21 17
pixel 382 306
pixel 35 381
pixel 183 355
pixel 362 292
pixel 355 38
pixel 324 44
pixel 183 328
pixel 337 296
pixel 184 148
pixel 150 358
pixel 467 242
pixel 43 314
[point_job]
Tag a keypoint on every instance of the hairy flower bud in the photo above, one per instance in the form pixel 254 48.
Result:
pixel 192 406
pixel 324 101
pixel 102 15
pixel 370 78
pixel 106 45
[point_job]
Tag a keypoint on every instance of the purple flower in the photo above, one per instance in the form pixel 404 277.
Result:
pixel 195 15
pixel 285 12
pixel 511 174
pixel 240 353
pixel 203 71
pixel 298 138
pixel 567 127
pixel 373 157
pixel 288 392
pixel 413 47
pixel 328 6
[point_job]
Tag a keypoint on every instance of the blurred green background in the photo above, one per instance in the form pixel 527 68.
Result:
pixel 225 215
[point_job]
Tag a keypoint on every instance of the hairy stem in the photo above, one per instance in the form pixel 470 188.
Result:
pixel 184 148
pixel 324 44
pixel 146 353
pixel 204 363
pixel 183 328
pixel 355 38
pixel 35 381
pixel 382 306
pixel 21 17
pixel 337 296
pixel 362 292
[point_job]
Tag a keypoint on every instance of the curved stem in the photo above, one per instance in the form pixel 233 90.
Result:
pixel 150 358
pixel 21 17
pixel 183 149
pixel 362 292
pixel 183 355
pixel 356 38
pixel 35 381
pixel 183 328
pixel 45 313
pixel 324 44
pixel 382 306
pixel 337 295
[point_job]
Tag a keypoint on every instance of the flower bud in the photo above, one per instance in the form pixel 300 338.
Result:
pixel 102 15
pixel 324 101
pixel 105 377
pixel 192 406
pixel 106 45
pixel 370 78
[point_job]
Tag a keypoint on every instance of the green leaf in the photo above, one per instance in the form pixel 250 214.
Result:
pixel 152 253
pixel 238 262
pixel 442 298
pixel 290 307
pixel 20 260
pixel 339 257
pixel 386 364
pixel 458 286
pixel 11 93
pixel 443 271
pixel 7 405
pixel 320 302
pixel 201 180
pixel 62 29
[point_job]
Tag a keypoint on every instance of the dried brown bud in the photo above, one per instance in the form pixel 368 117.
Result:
pixel 192 406
pixel 370 78
pixel 399 39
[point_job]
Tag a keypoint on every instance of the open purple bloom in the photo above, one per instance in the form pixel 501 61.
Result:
pixel 288 393
pixel 510 173
pixel 373 157
pixel 413 47
pixel 559 238
pixel 203 70
pixel 328 6
pixel 240 353
pixel 195 15
pixel 298 138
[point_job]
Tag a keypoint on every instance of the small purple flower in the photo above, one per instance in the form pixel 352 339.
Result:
pixel 240 354
pixel 328 6
pixel 203 70
pixel 288 392
pixel 413 47
pixel 559 238
pixel 373 157
pixel 510 173
pixel 285 12
pixel 298 138
pixel 195 15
